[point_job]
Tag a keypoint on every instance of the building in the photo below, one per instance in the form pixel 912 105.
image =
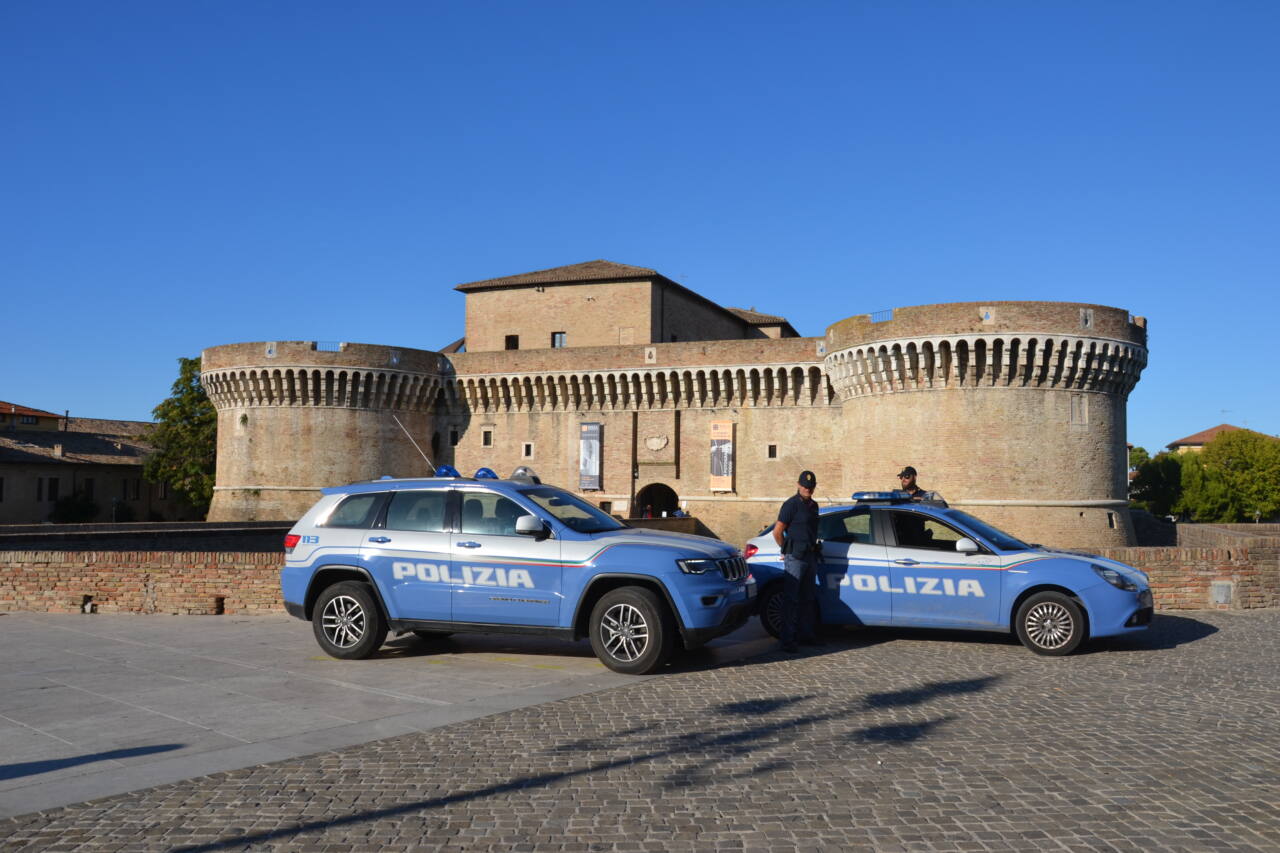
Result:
pixel 47 458
pixel 1195 443
pixel 619 383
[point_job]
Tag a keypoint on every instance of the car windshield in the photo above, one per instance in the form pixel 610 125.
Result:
pixel 572 511
pixel 994 535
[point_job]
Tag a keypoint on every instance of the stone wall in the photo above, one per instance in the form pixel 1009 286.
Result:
pixel 1206 578
pixel 181 582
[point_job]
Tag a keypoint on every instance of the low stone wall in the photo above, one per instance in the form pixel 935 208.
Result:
pixel 1206 578
pixel 184 582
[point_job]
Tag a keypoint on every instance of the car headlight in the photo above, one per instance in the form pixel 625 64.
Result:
pixel 1114 578
pixel 699 566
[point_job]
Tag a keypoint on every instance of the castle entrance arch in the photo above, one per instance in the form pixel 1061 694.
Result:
pixel 660 497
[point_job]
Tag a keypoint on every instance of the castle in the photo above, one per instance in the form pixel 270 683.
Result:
pixel 621 384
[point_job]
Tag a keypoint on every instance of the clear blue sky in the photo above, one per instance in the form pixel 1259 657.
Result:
pixel 179 175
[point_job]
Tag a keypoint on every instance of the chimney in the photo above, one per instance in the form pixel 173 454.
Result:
pixel 57 450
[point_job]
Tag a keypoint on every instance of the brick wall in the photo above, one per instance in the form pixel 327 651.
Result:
pixel 182 582
pixel 1184 578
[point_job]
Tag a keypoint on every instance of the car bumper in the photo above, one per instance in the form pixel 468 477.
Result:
pixel 295 610
pixel 716 613
pixel 1113 611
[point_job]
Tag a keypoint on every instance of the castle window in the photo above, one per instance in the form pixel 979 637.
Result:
pixel 1111 520
pixel 527 450
pixel 773 451
pixel 513 342
pixel 486 438
pixel 1079 409
pixel 557 340
pixel 453 438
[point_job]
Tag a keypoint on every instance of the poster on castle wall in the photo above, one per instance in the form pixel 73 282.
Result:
pixel 589 456
pixel 722 456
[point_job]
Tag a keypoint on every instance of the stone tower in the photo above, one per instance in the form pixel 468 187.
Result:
pixel 294 417
pixel 1014 411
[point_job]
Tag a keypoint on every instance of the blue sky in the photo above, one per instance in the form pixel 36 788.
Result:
pixel 180 175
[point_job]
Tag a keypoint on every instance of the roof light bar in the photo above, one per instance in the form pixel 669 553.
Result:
pixel 447 471
pixel 485 474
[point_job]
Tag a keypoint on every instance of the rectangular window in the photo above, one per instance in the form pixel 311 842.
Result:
pixel 27 419
pixel 453 438
pixel 606 507
pixel 513 342
pixel 773 451
pixel 1111 520
pixel 486 438
pixel 53 489
pixel 164 491
pixel 527 450
pixel 557 340
pixel 87 488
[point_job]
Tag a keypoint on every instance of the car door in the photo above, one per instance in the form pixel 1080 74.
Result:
pixel 407 552
pixel 932 584
pixel 503 577
pixel 852 561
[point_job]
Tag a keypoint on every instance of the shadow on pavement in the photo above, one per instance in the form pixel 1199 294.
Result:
pixel 31 768
pixel 733 731
pixel 1166 632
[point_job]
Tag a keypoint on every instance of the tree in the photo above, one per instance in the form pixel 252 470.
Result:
pixel 185 438
pixel 1158 486
pixel 1138 456
pixel 1236 477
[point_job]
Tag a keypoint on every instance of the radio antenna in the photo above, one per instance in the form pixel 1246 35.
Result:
pixel 431 469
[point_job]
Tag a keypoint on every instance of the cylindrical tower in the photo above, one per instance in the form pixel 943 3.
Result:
pixel 1014 411
pixel 295 416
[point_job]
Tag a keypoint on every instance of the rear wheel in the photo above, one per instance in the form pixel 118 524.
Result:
pixel 1050 623
pixel 632 631
pixel 772 606
pixel 347 621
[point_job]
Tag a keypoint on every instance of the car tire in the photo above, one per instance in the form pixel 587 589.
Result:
pixel 771 605
pixel 632 630
pixel 1050 623
pixel 348 622
pixel 431 635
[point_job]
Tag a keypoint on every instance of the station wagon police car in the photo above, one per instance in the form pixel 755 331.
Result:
pixel 890 560
pixel 449 554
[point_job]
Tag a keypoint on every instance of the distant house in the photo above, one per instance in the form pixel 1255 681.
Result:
pixel 45 457
pixel 1195 443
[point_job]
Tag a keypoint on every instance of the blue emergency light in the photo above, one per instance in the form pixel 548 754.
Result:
pixel 447 471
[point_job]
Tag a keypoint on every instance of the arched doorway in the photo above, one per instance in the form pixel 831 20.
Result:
pixel 658 497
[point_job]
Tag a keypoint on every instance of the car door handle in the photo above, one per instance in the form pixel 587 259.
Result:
pixel 468 544
pixel 379 539
pixel 907 562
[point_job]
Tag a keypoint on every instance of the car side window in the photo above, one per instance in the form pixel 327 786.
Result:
pixel 851 526
pixel 414 510
pixel 914 530
pixel 489 514
pixel 355 511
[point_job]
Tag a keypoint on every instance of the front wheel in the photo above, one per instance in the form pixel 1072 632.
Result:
pixel 347 621
pixel 632 631
pixel 772 608
pixel 1050 623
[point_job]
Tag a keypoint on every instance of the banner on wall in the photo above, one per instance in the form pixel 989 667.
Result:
pixel 722 456
pixel 589 456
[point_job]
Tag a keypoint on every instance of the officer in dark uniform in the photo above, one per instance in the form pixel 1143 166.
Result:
pixel 907 477
pixel 796 533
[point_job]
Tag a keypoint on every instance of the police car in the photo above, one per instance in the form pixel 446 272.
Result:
pixel 891 560
pixel 450 554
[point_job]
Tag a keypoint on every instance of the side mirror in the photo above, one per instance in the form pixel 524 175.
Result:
pixel 965 545
pixel 530 525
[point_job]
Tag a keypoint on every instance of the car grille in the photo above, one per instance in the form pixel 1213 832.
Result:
pixel 733 568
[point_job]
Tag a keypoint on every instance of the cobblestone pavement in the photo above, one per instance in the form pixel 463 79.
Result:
pixel 880 741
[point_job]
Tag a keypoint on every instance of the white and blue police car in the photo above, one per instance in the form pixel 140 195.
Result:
pixel 890 560
pixel 449 554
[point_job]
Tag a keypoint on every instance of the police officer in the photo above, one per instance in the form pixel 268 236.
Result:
pixel 907 477
pixel 796 532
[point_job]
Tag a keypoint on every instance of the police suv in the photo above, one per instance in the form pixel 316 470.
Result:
pixel 891 560
pixel 449 554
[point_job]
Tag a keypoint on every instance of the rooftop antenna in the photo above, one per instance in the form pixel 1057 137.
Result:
pixel 430 468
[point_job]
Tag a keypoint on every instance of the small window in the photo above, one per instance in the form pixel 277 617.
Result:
pixel 513 342
pixel 355 511
pixel 1111 520
pixel 605 506
pixel 486 438
pixel 557 340
pixel 27 419
pixel 526 451
pixel 423 511
pixel 164 491
pixel 488 514
pixel 453 438
pixel 773 451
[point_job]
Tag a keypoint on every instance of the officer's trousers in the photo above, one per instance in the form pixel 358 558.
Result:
pixel 799 595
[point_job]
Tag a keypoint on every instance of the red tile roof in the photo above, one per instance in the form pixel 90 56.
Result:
pixel 599 270
pixel 755 318
pixel 14 408
pixel 1202 438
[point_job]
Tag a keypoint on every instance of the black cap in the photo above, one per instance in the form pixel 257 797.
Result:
pixel 907 472
pixel 807 479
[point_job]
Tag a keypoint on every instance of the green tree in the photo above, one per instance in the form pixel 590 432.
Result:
pixel 1158 486
pixel 1236 477
pixel 1138 456
pixel 185 438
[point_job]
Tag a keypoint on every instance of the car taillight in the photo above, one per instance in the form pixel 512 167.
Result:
pixel 290 540
pixel 749 552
